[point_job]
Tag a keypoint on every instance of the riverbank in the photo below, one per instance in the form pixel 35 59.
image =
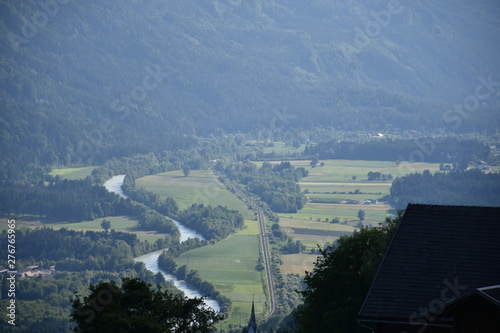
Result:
pixel 150 260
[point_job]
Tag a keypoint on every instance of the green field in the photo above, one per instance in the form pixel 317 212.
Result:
pixel 230 266
pixel 327 187
pixel 119 223
pixel 73 173
pixel 201 186
pixel 282 148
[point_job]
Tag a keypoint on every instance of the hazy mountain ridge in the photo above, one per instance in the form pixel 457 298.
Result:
pixel 159 69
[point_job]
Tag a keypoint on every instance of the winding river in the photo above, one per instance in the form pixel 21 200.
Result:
pixel 114 185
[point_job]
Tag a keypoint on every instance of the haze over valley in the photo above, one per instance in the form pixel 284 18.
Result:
pixel 246 143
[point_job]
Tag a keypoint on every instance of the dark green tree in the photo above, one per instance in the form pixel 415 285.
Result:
pixel 314 161
pixel 186 170
pixel 136 307
pixel 341 279
pixel 361 215
pixel 106 224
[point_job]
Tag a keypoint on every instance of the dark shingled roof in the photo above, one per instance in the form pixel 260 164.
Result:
pixel 437 253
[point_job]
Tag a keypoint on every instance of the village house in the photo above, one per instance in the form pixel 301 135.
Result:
pixel 35 270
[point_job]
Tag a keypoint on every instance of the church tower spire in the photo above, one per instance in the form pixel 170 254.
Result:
pixel 252 323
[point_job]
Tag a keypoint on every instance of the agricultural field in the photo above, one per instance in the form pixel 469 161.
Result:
pixel 73 173
pixel 282 148
pixel 119 223
pixel 201 186
pixel 311 233
pixel 297 263
pixel 231 266
pixel 327 187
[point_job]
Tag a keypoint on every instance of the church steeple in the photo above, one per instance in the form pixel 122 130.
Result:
pixel 252 323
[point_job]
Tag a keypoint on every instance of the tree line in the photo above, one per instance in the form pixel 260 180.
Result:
pixel 468 188
pixel 77 250
pixel 433 149
pixel 166 207
pixel 167 262
pixel 214 223
pixel 276 184
pixel 66 199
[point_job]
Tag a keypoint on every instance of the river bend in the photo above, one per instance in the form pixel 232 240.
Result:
pixel 150 260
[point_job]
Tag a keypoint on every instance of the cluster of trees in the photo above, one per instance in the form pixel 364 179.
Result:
pixel 152 200
pixel 167 262
pixel 378 176
pixel 176 249
pixel 151 220
pixel 276 184
pixel 288 245
pixel 67 199
pixel 77 250
pixel 214 223
pixel 292 247
pixel 470 187
pixel 431 149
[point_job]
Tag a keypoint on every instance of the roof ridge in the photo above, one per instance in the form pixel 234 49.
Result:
pixel 382 261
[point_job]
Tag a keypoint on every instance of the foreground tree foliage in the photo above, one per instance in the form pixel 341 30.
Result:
pixel 341 279
pixel 136 307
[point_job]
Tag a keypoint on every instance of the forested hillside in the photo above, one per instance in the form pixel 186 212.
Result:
pixel 461 188
pixel 82 82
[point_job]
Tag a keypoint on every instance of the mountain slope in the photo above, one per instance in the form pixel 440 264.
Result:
pixel 101 79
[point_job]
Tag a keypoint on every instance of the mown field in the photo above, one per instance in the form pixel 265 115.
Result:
pixel 231 266
pixel 73 173
pixel 201 186
pixel 327 187
pixel 297 263
pixel 119 223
